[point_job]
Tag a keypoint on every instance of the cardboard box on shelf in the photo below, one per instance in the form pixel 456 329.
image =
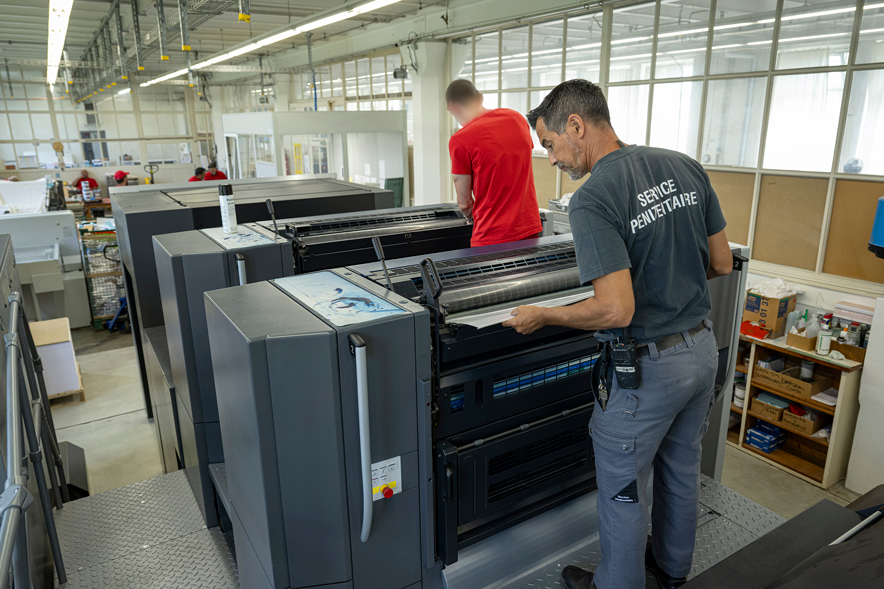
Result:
pixel 800 423
pixel 850 352
pixel 770 411
pixel 769 312
pixel 800 341
pixel 790 383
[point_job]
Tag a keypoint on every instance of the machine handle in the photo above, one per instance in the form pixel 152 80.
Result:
pixel 430 276
pixel 358 350
pixel 241 268
pixel 379 252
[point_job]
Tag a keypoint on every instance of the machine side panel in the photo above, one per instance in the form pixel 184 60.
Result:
pixel 424 404
pixel 263 262
pixel 244 406
pixel 306 415
pixel 392 556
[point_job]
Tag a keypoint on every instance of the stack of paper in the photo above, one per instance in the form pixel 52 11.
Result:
pixel 854 312
pixel 829 397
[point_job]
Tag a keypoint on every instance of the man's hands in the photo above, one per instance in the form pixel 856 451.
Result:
pixel 527 319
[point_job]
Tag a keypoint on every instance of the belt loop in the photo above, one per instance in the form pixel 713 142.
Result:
pixel 688 338
pixel 653 354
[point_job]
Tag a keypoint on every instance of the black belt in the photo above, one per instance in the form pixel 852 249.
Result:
pixel 670 341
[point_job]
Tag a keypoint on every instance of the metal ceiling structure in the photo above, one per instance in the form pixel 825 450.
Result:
pixel 103 44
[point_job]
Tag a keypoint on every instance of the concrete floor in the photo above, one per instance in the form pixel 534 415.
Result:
pixel 121 447
pixel 111 426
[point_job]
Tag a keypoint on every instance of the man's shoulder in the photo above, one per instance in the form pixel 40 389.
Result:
pixel 669 155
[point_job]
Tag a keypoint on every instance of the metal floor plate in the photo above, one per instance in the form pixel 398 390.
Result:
pixel 148 534
pixel 726 522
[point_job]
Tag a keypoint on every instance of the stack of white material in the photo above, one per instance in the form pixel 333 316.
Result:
pixel 54 345
pixel 855 312
pixel 23 197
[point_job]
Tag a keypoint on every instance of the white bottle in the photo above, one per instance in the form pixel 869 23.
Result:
pixel 824 342
pixel 228 208
pixel 813 327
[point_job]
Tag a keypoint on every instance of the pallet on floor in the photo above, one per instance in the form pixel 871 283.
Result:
pixel 74 397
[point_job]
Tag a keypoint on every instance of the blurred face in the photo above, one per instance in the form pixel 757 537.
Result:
pixel 465 112
pixel 212 170
pixel 563 150
pixel 84 174
pixel 201 175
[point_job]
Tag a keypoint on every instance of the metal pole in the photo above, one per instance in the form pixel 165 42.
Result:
pixel 182 23
pixel 37 363
pixel 313 71
pixel 108 55
pixel 37 460
pixel 21 568
pixel 136 29
pixel 67 71
pixel 121 52
pixel 245 11
pixel 14 449
pixel 35 404
pixel 161 24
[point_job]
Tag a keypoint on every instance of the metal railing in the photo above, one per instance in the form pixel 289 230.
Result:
pixel 27 418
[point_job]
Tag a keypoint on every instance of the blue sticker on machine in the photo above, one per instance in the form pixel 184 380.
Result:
pixel 336 299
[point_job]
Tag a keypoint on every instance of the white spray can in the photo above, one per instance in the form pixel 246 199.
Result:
pixel 228 208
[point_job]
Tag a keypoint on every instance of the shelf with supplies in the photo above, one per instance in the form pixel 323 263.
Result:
pixel 820 461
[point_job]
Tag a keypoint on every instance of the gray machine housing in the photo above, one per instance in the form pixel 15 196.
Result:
pixel 140 212
pixel 286 387
pixel 188 264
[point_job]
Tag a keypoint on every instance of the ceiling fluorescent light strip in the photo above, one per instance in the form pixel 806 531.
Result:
pixel 328 20
pixel 59 15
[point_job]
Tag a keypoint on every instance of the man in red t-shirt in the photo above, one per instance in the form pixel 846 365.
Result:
pixel 198 175
pixel 214 174
pixel 491 165
pixel 91 183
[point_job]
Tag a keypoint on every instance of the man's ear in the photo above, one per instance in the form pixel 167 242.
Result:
pixel 577 126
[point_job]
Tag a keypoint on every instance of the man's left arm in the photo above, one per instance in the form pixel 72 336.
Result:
pixel 463 187
pixel 612 307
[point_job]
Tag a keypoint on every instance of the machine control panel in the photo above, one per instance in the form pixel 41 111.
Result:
pixel 386 478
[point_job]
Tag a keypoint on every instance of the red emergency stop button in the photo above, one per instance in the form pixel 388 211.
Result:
pixel 386 491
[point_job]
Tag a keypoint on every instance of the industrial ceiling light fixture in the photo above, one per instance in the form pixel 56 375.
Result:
pixel 59 14
pixel 281 36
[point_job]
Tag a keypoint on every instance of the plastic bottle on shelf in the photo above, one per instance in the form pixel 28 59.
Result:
pixel 791 320
pixel 824 342
pixel 813 327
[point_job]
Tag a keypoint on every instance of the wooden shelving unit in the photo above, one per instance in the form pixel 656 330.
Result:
pixel 814 459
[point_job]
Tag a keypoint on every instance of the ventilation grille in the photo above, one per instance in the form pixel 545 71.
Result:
pixel 367 222
pixel 507 460
pixel 464 276
pixel 531 478
pixel 513 384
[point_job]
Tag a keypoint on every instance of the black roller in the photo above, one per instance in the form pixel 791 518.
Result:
pixel 475 297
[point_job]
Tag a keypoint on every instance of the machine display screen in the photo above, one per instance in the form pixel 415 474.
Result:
pixel 337 300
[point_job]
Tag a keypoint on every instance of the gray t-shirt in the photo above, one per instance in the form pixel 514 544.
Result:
pixel 650 210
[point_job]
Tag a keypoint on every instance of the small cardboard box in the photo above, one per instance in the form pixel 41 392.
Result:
pixel 768 412
pixel 53 341
pixel 766 376
pixel 790 383
pixel 805 425
pixel 769 312
pixel 850 352
pixel 800 341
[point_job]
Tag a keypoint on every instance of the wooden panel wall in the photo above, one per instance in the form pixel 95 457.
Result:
pixel 735 190
pixel 847 248
pixel 790 220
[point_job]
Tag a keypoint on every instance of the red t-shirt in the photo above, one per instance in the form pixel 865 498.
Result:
pixel 195 179
pixel 91 181
pixel 219 176
pixel 495 149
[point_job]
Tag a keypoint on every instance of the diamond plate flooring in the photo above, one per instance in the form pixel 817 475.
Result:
pixel 148 534
pixel 726 522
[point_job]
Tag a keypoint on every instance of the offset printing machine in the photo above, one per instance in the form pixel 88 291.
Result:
pixel 373 435
pixel 190 263
pixel 140 212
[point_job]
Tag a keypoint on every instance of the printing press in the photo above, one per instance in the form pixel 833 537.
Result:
pixel 373 432
pixel 190 263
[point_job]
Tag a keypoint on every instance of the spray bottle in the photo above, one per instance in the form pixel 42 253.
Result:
pixel 228 208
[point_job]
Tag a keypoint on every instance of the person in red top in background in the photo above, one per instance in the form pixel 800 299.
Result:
pixel 91 183
pixel 198 175
pixel 491 165
pixel 214 173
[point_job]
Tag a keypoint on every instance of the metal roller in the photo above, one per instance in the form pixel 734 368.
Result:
pixel 474 297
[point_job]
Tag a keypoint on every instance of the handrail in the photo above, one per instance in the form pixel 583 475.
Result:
pixel 15 483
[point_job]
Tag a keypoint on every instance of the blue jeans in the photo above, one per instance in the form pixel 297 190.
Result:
pixel 658 425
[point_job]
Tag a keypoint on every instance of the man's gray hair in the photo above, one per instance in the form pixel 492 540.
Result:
pixel 574 97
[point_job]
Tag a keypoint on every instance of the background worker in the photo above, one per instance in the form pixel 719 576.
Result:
pixel 121 177
pixel 214 173
pixel 491 166
pixel 648 233
pixel 198 175
pixel 90 183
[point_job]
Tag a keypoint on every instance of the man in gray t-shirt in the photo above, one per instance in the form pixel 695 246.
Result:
pixel 648 231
